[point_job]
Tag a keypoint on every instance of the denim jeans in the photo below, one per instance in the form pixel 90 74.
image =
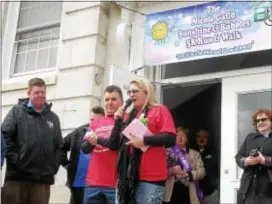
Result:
pixel 95 194
pixel 148 193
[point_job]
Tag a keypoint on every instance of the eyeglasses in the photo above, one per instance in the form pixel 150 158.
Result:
pixel 134 91
pixel 260 120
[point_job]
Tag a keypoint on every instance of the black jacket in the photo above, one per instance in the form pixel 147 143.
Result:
pixel 33 144
pixel 255 176
pixel 72 143
pixel 208 183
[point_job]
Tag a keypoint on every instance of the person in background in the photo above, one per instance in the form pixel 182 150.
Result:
pixel 33 136
pixel 185 169
pixel 101 178
pixel 77 165
pixel 255 157
pixel 209 182
pixel 142 175
pixel 3 149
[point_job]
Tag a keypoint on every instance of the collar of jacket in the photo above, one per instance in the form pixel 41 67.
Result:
pixel 30 108
pixel 258 134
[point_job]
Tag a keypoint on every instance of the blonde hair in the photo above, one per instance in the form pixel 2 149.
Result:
pixel 149 88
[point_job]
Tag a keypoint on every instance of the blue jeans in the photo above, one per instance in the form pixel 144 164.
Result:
pixel 148 193
pixel 94 195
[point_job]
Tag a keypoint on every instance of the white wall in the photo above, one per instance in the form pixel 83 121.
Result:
pixel 88 48
pixel 72 88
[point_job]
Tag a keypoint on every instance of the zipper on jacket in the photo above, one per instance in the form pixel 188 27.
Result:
pixel 40 146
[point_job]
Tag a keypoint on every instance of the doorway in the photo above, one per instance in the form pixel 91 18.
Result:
pixel 197 107
pixel 241 96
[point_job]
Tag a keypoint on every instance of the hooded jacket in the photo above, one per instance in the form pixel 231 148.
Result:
pixel 33 143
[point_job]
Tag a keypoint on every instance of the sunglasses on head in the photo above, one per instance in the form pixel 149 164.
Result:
pixel 134 91
pixel 260 120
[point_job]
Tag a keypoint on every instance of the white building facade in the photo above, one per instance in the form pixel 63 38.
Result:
pixel 78 48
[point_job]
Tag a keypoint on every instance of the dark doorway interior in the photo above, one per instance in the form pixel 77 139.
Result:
pixel 201 111
pixel 195 107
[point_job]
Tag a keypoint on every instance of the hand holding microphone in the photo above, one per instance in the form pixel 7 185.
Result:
pixel 120 112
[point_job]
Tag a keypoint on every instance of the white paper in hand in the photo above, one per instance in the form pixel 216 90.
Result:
pixel 137 128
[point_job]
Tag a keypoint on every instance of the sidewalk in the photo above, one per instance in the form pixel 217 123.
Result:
pixel 59 195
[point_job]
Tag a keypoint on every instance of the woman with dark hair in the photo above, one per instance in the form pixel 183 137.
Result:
pixel 255 157
pixel 185 168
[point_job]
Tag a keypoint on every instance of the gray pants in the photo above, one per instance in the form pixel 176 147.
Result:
pixel 18 192
pixel 211 199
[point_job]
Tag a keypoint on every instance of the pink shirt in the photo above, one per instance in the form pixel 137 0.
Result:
pixel 153 166
pixel 102 168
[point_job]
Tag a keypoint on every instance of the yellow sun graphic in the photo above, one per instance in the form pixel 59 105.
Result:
pixel 159 31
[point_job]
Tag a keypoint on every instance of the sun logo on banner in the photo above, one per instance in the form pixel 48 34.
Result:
pixel 160 32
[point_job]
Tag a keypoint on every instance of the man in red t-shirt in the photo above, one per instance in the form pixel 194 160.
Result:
pixel 102 173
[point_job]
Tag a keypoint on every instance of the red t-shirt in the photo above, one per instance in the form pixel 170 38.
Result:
pixel 102 167
pixel 153 166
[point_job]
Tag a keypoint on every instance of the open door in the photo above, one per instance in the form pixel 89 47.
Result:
pixel 241 96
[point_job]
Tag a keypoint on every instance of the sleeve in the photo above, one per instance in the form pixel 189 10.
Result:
pixel 166 121
pixel 10 124
pixel 268 161
pixel 9 130
pixel 241 155
pixel 199 172
pixel 164 139
pixel 59 144
pixel 172 159
pixel 86 147
pixel 59 135
pixel 66 147
pixel 167 136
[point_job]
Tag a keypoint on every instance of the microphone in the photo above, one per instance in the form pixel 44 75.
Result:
pixel 127 104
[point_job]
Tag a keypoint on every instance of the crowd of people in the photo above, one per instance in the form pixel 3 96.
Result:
pixel 105 166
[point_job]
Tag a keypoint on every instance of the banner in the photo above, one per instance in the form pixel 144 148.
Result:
pixel 207 30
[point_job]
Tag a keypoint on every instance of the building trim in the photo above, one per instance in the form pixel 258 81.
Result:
pixel 71 11
pixel 9 34
pixel 84 36
pixel 103 5
pixel 216 75
pixel 20 82
pixel 82 66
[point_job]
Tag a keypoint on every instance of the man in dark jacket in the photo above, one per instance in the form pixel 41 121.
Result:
pixel 209 182
pixel 77 165
pixel 33 137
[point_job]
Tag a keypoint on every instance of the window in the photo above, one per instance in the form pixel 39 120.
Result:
pixel 248 103
pixel 37 37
